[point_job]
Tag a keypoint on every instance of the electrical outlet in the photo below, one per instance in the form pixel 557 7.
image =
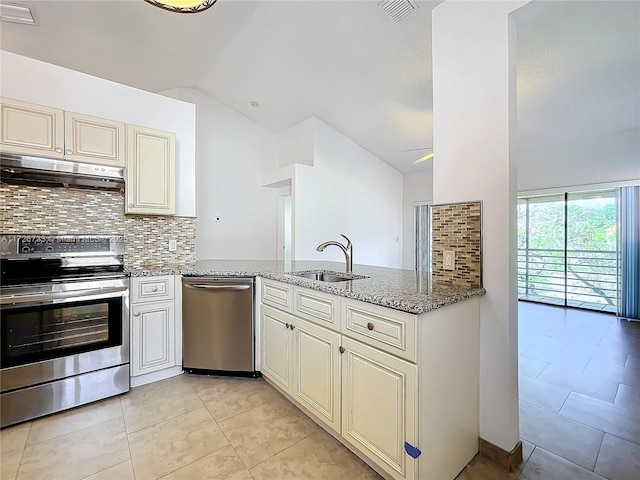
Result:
pixel 173 245
pixel 449 260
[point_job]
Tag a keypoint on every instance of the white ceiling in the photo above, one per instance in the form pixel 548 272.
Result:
pixel 578 71
pixel 345 62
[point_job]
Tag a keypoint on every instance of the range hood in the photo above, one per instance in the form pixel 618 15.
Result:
pixel 47 172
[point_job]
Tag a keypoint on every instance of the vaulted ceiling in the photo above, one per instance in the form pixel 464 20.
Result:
pixel 345 62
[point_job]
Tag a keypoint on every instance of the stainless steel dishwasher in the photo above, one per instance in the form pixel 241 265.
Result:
pixel 217 326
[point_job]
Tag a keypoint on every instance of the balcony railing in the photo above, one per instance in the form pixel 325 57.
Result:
pixel 590 278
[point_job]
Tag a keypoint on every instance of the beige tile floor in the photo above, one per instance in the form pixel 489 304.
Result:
pixel 580 419
pixel 186 427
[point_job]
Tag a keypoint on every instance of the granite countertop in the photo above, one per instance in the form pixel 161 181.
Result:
pixel 403 290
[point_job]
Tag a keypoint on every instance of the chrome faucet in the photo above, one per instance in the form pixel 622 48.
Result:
pixel 348 251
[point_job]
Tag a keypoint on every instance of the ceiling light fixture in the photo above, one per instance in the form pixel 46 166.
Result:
pixel 423 158
pixel 183 6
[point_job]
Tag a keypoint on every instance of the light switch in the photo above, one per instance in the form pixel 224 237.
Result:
pixel 449 260
pixel 173 245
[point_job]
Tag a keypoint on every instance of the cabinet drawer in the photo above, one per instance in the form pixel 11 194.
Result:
pixel 145 289
pixel 317 306
pixel 277 294
pixel 389 330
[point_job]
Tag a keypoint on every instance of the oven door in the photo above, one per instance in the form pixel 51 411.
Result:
pixel 61 330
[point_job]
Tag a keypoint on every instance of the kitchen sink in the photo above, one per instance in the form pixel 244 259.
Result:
pixel 324 276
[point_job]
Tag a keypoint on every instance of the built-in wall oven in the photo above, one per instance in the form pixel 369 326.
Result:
pixel 64 306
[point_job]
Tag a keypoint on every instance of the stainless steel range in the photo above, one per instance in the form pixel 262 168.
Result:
pixel 64 305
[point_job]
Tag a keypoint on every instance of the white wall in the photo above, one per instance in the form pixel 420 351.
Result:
pixel 347 191
pixel 417 188
pixel 474 132
pixel 232 153
pixel 30 80
pixel 607 158
pixel 296 144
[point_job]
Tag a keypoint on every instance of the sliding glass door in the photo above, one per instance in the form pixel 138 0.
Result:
pixel 567 249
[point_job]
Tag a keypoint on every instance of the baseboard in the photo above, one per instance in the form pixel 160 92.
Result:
pixel 507 460
pixel 156 376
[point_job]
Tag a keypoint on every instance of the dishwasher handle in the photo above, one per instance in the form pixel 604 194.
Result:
pixel 216 287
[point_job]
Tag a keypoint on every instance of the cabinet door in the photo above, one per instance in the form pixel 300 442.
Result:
pixel 378 406
pixel 29 129
pixel 316 379
pixel 94 140
pixel 276 346
pixel 152 337
pixel 150 186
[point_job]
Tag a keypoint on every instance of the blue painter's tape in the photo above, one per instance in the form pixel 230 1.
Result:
pixel 414 452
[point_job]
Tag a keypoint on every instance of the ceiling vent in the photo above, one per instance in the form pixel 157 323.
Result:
pixel 16 14
pixel 397 10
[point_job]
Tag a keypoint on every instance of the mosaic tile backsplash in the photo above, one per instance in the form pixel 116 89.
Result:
pixel 457 227
pixel 61 211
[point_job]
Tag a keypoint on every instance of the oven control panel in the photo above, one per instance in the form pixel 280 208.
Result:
pixel 43 244
pixel 29 247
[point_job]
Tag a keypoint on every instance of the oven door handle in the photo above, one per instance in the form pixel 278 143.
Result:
pixel 70 296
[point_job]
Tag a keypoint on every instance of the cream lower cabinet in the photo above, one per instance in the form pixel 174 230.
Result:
pixel 153 327
pixel 303 360
pixel 399 389
pixel 316 371
pixel 150 184
pixel 277 347
pixel 379 406
pixel 156 327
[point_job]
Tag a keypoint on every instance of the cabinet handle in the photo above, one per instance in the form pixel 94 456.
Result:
pixel 370 326
pixel 69 151
pixel 136 314
pixel 59 149
pixel 154 289
pixel 341 349
pixel 286 325
pixel 291 326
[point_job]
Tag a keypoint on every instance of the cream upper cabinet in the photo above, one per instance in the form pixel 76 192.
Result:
pixel 36 130
pixel 94 140
pixel 150 171
pixel 29 129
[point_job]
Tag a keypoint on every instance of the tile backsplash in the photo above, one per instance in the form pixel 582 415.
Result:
pixel 62 211
pixel 457 227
